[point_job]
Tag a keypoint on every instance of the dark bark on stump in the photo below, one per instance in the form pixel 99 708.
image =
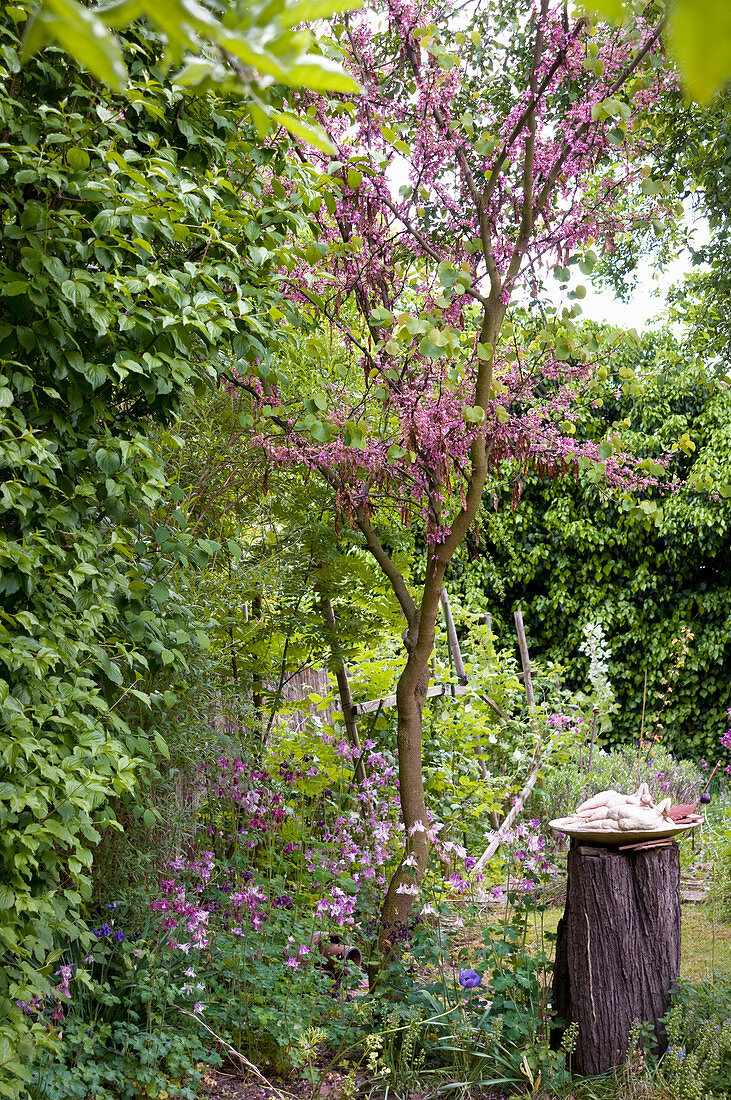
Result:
pixel 618 948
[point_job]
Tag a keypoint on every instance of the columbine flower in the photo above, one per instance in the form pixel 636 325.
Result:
pixel 406 888
pixel 410 861
pixel 417 827
pixel 198 1007
pixel 62 989
pixel 469 979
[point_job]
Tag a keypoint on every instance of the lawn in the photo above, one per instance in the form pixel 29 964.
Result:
pixel 706 940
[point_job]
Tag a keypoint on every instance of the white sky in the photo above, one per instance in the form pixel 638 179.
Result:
pixel 647 305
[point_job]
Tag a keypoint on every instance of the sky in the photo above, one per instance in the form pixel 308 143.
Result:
pixel 646 306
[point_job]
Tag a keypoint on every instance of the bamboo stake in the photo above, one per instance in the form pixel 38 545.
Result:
pixel 524 658
pixel 642 729
pixel 460 670
pixel 593 734
pixel 499 836
pixel 452 639
pixel 533 777
pixel 341 675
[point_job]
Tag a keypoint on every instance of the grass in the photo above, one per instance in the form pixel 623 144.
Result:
pixel 705 943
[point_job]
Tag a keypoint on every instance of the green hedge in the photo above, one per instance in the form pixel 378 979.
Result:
pixel 572 554
pixel 139 250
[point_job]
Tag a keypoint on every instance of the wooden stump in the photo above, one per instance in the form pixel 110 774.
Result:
pixel 618 948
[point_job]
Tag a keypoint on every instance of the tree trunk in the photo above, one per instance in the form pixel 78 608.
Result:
pixel 398 907
pixel 410 698
pixel 618 948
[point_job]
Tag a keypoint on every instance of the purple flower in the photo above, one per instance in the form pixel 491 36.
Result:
pixel 469 979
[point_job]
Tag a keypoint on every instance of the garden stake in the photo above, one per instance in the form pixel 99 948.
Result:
pixel 341 676
pixel 455 653
pixel 591 747
pixel 710 777
pixel 642 727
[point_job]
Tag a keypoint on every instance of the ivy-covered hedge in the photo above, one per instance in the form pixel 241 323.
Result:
pixel 139 246
pixel 571 554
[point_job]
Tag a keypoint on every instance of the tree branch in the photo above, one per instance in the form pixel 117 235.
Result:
pixel 553 175
pixel 396 578
pixel 526 218
pixel 428 248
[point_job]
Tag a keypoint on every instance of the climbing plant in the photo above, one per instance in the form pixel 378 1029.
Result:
pixel 140 249
pixel 653 576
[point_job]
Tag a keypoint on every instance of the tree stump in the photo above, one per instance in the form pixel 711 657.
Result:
pixel 617 949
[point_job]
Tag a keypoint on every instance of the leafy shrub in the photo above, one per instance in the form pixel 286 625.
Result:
pixel 99 348
pixel 698 1059
pixel 123 1035
pixel 571 558
pixel 620 769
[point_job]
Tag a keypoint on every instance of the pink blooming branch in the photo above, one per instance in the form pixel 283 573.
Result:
pixel 406 426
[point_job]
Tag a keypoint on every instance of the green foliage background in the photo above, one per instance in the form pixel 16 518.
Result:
pixel 572 554
pixel 138 257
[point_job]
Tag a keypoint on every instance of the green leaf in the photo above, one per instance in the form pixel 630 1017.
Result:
pixel 613 10
pixel 313 135
pixel 78 159
pixel 162 746
pixel 75 291
pixel 320 74
pixel 160 592
pixel 308 11
pixel 700 38
pixel 82 34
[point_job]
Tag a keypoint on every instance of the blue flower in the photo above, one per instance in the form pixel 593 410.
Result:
pixel 105 930
pixel 119 935
pixel 469 979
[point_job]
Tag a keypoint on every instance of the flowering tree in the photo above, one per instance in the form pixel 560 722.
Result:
pixel 517 137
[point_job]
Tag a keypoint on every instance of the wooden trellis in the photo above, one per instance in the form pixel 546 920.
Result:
pixel 351 711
